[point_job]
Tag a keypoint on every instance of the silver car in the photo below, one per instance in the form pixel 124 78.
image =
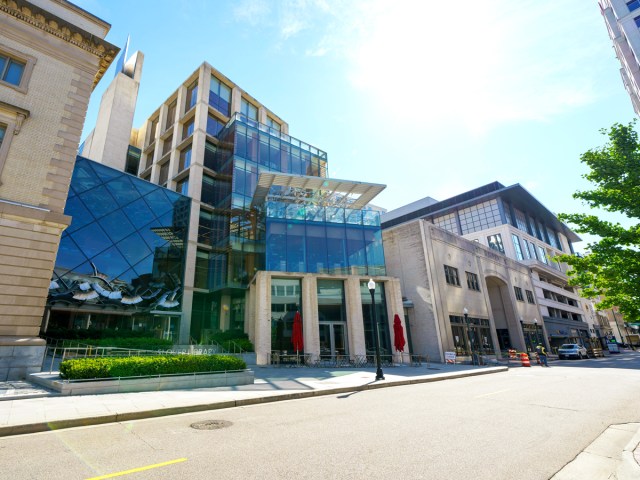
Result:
pixel 572 350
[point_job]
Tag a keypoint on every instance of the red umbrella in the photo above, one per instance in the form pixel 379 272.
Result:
pixel 296 335
pixel 398 333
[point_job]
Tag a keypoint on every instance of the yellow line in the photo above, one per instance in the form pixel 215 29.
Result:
pixel 140 469
pixel 492 393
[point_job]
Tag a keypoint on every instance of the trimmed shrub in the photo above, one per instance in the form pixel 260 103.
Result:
pixel 110 367
pixel 240 338
pixel 244 343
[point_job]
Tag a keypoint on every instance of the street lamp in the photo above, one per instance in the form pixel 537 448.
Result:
pixel 372 288
pixel 465 312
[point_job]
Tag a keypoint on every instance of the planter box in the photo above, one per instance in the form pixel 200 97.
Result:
pixel 142 384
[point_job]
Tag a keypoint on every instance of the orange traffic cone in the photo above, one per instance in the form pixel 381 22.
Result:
pixel 524 358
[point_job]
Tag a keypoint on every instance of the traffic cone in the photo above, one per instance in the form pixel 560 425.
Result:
pixel 524 358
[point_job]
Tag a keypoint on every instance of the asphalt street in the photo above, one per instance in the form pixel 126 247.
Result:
pixel 527 423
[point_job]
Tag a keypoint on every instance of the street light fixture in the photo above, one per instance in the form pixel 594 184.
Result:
pixel 372 289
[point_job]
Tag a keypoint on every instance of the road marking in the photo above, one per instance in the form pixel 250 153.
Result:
pixel 492 393
pixel 140 469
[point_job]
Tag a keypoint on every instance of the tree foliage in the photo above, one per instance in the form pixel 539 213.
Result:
pixel 611 268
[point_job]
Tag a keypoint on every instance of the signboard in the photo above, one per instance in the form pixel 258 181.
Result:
pixel 450 357
pixel 613 347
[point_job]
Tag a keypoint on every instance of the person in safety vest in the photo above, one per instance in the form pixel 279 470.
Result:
pixel 542 355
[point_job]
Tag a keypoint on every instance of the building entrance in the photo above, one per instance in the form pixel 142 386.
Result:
pixel 333 339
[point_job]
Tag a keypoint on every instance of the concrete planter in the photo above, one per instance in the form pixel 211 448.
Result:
pixel 142 384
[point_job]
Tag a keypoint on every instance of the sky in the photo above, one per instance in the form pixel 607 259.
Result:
pixel 428 98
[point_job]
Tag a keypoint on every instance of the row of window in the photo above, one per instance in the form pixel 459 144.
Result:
pixel 452 278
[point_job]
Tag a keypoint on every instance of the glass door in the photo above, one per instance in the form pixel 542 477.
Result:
pixel 333 341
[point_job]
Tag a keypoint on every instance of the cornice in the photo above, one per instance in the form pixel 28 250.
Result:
pixel 50 23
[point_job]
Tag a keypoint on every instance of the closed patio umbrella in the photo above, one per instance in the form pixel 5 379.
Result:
pixel 398 334
pixel 296 335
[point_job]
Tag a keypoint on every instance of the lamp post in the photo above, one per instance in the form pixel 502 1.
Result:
pixel 535 320
pixel 465 312
pixel 372 289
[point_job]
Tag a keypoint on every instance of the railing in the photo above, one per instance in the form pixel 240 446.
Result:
pixel 59 354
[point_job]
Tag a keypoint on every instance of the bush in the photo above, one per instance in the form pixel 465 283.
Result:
pixel 109 367
pixel 240 338
pixel 244 343
pixel 134 343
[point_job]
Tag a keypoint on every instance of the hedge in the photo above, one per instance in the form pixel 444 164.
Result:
pixel 147 343
pixel 109 367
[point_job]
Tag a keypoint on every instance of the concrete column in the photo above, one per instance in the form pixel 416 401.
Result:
pixel 262 338
pixel 236 100
pixel 185 320
pixel 250 318
pixel 310 319
pixel 355 320
pixel 393 296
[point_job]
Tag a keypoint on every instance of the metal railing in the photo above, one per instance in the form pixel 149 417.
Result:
pixel 345 361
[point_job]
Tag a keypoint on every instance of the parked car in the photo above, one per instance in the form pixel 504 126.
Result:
pixel 569 350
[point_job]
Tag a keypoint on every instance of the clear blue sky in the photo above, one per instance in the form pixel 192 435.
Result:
pixel 428 98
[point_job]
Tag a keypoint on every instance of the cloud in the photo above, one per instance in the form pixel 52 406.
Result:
pixel 253 12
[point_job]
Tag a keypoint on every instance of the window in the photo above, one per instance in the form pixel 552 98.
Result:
pixel 248 110
pixel 171 114
pixel 633 5
pixel 480 217
pixel 3 130
pixel 220 96
pixel 495 242
pixel 164 173
pixel 448 222
pixel 166 146
pixel 543 256
pixel 185 158
pixel 11 70
pixel 518 292
pixel 183 186
pixel 192 95
pixel 637 20
pixel 472 281
pixel 214 126
pixel 149 160
pixel 530 297
pixel 273 124
pixel 451 275
pixel 187 128
pixel 153 130
pixel 517 246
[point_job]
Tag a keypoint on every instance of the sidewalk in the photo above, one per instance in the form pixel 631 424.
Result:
pixel 26 408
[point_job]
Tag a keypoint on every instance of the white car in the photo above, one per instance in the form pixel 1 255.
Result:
pixel 569 350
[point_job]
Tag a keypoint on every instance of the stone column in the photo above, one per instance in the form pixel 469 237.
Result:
pixel 393 296
pixel 310 320
pixel 262 335
pixel 355 320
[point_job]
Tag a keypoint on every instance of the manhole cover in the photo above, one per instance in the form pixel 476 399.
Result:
pixel 211 424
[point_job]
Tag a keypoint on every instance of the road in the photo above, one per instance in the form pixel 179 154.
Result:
pixel 524 424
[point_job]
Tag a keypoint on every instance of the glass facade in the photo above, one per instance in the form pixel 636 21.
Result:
pixel 517 246
pixel 220 96
pixel 285 302
pixel 448 222
pixel 480 217
pixel 495 242
pixel 124 251
pixel 380 305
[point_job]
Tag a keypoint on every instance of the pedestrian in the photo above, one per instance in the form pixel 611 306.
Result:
pixel 542 355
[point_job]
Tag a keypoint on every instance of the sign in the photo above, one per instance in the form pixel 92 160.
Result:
pixel 613 347
pixel 450 357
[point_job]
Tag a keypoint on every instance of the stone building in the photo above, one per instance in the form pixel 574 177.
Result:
pixel 52 54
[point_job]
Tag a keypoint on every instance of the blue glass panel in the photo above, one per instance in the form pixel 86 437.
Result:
pixel 111 263
pixel 336 248
pixel 316 250
pixel 139 213
pixel 105 173
pixel 92 239
pixel 295 212
pixel 69 255
pixel 335 215
pixel 84 178
pixel 355 247
pixel 122 190
pixel 98 201
pixel 133 248
pixel 14 73
pixel 145 187
pixel 158 202
pixel 353 217
pixel 80 216
pixel 116 225
pixel 276 246
pixel 314 213
pixel 152 239
pixel 144 267
pixel 295 248
pixel 375 255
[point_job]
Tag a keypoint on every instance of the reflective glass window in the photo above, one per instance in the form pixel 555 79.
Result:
pixel 214 126
pixel 633 5
pixel 448 222
pixel 192 95
pixel 187 128
pixel 171 114
pixel 182 186
pixel 220 96
pixel 11 70
pixel 451 275
pixel 185 158
pixel 542 255
pixel 3 130
pixel 480 217
pixel 517 246
pixel 518 292
pixel 495 242
pixel 248 110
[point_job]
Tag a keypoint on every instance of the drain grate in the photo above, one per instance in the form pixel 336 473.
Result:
pixel 211 424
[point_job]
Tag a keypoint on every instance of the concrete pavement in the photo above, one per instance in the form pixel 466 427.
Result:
pixel 26 408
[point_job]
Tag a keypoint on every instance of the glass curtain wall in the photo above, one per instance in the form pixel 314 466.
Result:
pixel 285 302
pixel 381 317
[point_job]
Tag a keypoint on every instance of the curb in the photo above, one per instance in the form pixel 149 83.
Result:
pixel 629 468
pixel 11 430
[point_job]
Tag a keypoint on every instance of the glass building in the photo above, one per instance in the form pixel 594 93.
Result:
pixel 121 261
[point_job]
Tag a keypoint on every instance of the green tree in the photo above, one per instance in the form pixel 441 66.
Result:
pixel 611 268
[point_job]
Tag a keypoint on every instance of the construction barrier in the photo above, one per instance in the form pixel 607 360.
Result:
pixel 512 353
pixel 524 358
